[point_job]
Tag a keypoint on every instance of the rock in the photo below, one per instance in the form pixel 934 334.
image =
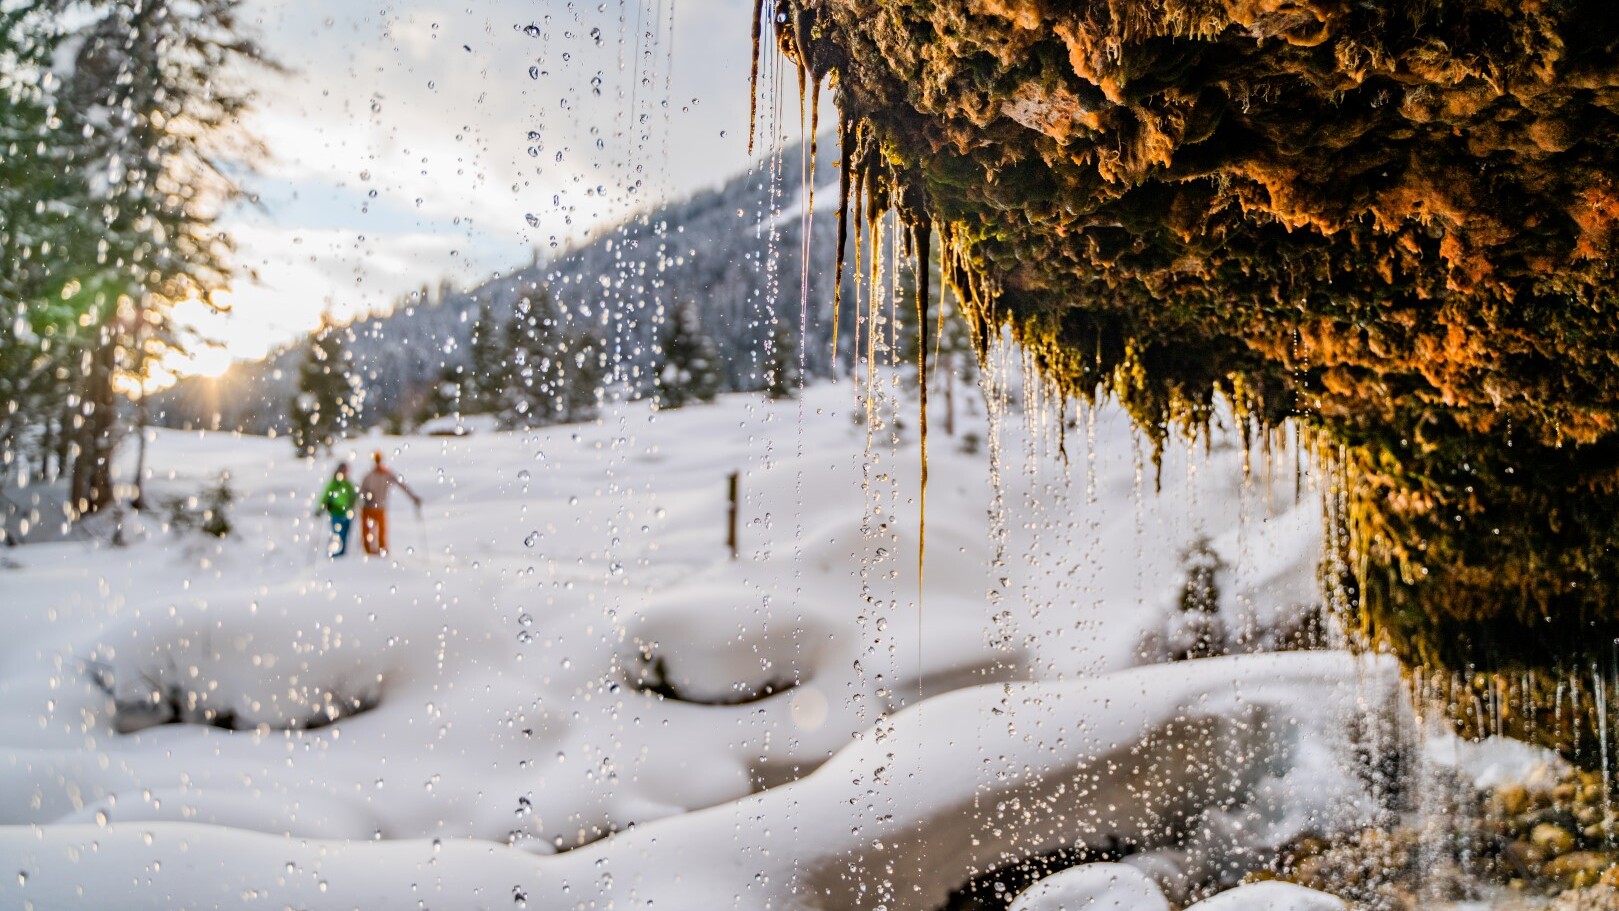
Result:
pixel 1598 898
pixel 1102 887
pixel 1271 896
pixel 1522 857
pixel 1512 799
pixel 1552 839
pixel 1579 868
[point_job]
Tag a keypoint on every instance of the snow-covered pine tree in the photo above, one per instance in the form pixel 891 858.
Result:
pixel 328 400
pixel 690 369
pixel 534 349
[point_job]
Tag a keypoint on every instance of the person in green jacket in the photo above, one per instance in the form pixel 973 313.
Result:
pixel 337 501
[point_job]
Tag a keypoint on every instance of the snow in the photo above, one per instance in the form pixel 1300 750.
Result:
pixel 1103 886
pixel 818 739
pixel 1271 896
pixel 1493 761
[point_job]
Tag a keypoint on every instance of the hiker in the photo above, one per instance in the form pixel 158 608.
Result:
pixel 337 501
pixel 374 505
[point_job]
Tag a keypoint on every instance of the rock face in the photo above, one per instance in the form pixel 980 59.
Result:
pixel 1395 222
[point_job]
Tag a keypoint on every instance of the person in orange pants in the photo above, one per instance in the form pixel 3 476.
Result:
pixel 374 504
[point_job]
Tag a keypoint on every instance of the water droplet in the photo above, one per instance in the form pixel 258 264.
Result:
pixel 533 72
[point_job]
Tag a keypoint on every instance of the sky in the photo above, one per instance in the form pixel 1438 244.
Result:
pixel 418 142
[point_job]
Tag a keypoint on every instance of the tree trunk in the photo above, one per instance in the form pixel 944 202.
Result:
pixel 143 416
pixel 142 412
pixel 95 434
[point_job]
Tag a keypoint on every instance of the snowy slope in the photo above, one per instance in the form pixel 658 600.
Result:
pixel 504 652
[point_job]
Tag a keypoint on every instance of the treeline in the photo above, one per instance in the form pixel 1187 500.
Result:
pixel 731 259
pixel 537 367
pixel 118 124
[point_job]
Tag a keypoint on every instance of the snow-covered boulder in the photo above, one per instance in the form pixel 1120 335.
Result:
pixel 1093 887
pixel 1271 896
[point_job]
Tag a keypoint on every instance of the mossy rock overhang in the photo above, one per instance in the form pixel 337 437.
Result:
pixel 1392 221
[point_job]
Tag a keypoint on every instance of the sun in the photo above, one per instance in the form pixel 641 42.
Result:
pixel 205 360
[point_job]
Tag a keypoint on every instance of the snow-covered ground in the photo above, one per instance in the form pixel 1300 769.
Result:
pixel 561 690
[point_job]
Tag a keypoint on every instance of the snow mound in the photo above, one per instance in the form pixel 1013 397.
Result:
pixel 959 783
pixel 1103 887
pixel 1271 896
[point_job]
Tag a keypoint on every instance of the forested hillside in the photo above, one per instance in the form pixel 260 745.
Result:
pixel 732 255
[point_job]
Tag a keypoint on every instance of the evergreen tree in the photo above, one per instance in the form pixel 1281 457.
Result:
pixel 690 369
pixel 329 396
pixel 782 376
pixel 148 115
pixel 444 396
pixel 534 348
pixel 47 232
pixel 583 374
pixel 489 371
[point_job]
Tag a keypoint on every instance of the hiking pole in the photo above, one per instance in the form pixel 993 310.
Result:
pixel 421 523
pixel 316 551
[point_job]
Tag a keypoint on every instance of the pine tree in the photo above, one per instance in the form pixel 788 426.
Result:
pixel 443 397
pixel 534 348
pixel 156 115
pixel 328 400
pixel 690 369
pixel 782 375
pixel 48 231
pixel 583 373
pixel 489 371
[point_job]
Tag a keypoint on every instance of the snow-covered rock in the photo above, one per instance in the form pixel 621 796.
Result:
pixel 1271 896
pixel 1102 887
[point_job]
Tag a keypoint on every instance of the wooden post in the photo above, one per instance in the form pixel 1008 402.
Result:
pixel 733 483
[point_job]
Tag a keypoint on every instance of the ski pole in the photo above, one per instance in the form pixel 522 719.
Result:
pixel 421 523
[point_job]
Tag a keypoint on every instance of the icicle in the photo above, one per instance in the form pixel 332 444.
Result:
pixel 845 163
pixel 814 143
pixel 1599 695
pixel 806 190
pixel 921 240
pixel 753 75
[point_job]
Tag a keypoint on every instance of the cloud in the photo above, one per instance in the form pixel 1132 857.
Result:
pixel 421 141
